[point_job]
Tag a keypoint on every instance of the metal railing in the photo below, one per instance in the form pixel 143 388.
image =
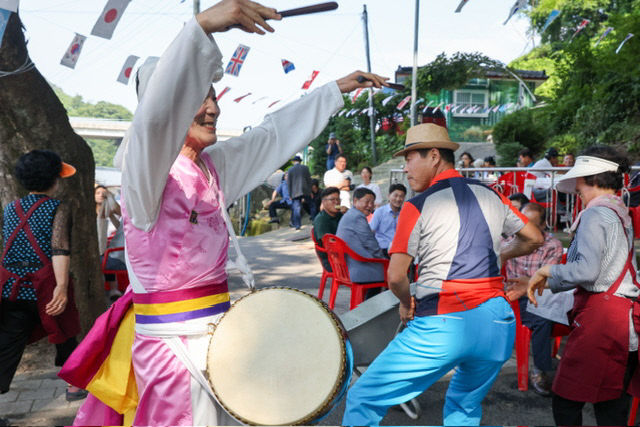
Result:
pixel 560 207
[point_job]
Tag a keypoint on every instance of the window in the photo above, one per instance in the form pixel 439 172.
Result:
pixel 478 82
pixel 470 103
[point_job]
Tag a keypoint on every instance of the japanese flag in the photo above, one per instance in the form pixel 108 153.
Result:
pixel 73 51
pixel 125 73
pixel 109 18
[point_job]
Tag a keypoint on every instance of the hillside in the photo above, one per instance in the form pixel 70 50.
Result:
pixel 103 150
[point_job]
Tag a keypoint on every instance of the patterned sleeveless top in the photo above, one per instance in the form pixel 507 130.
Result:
pixel 21 258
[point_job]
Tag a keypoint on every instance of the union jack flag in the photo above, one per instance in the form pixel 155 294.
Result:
pixel 236 61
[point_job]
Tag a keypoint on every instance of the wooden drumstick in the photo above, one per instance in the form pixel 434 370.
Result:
pixel 314 8
pixel 306 10
pixel 396 86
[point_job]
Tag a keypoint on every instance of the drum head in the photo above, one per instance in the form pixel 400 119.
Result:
pixel 277 357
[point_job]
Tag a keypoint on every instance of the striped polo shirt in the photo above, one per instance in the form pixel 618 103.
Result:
pixel 453 229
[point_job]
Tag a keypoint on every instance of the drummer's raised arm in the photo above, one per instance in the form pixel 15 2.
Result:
pixel 247 15
pixel 246 161
pixel 171 98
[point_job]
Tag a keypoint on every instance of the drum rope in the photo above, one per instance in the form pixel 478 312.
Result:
pixel 240 261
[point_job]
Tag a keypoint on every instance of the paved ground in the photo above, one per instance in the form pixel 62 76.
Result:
pixel 281 258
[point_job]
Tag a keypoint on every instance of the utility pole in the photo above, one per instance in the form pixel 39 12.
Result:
pixel 414 73
pixel 196 7
pixel 372 113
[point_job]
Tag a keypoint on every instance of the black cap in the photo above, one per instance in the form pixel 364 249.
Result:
pixel 551 152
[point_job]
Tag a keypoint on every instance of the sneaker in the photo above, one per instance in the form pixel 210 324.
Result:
pixel 540 384
pixel 274 221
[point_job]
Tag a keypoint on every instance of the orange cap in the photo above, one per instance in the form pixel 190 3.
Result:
pixel 67 170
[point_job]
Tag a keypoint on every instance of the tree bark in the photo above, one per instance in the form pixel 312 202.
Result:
pixel 32 117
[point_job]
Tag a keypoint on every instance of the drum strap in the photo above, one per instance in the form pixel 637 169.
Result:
pixel 241 262
pixel 182 354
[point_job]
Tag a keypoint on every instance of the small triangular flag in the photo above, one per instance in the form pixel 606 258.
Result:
pixel 287 66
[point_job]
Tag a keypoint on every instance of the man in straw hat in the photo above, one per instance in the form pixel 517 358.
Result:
pixel 459 317
pixel 177 182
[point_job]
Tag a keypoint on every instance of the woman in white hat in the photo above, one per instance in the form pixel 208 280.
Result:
pixel 599 360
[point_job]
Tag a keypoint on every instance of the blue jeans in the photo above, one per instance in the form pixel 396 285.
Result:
pixel 541 329
pixel 296 212
pixel 475 342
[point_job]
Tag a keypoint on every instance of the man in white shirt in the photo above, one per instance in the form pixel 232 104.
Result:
pixel 341 178
pixel 543 179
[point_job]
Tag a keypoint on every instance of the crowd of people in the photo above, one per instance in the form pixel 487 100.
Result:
pixel 143 359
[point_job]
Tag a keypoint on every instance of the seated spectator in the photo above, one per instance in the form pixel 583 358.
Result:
pixel 633 198
pixel 525 158
pixel 313 202
pixel 341 178
pixel 385 218
pixel 543 179
pixel 326 222
pixel 285 201
pixel 487 162
pixel 569 160
pixel 366 174
pixel 355 231
pixel 466 162
pixel 108 211
pixel 519 270
pixel 518 200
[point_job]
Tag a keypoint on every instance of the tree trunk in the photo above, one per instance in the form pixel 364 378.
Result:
pixel 32 117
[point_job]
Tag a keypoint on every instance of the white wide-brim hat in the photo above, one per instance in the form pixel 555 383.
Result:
pixel 584 166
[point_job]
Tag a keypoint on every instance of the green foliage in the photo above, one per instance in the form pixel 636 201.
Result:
pixel 76 107
pixel 593 92
pixel 454 72
pixel 522 128
pixel 539 59
pixel 508 153
pixel 473 134
pixel 103 150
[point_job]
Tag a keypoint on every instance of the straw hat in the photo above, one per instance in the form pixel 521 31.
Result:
pixel 584 166
pixel 427 135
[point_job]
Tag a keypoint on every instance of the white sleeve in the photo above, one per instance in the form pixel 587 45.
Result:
pixel 378 193
pixel 246 161
pixel 173 95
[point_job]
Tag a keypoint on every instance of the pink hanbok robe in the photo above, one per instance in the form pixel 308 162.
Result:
pixel 176 239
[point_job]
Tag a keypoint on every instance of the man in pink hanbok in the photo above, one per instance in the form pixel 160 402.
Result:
pixel 143 361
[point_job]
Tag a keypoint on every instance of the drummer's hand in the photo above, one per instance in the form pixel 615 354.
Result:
pixel 407 312
pixel 58 302
pixel 538 282
pixel 517 287
pixel 350 82
pixel 249 16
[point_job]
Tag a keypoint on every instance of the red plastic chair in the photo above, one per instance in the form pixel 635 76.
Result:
pixel 523 338
pixel 336 250
pixel 325 274
pixel 513 182
pixel 122 277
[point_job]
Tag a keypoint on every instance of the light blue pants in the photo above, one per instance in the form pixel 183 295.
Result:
pixel 475 342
